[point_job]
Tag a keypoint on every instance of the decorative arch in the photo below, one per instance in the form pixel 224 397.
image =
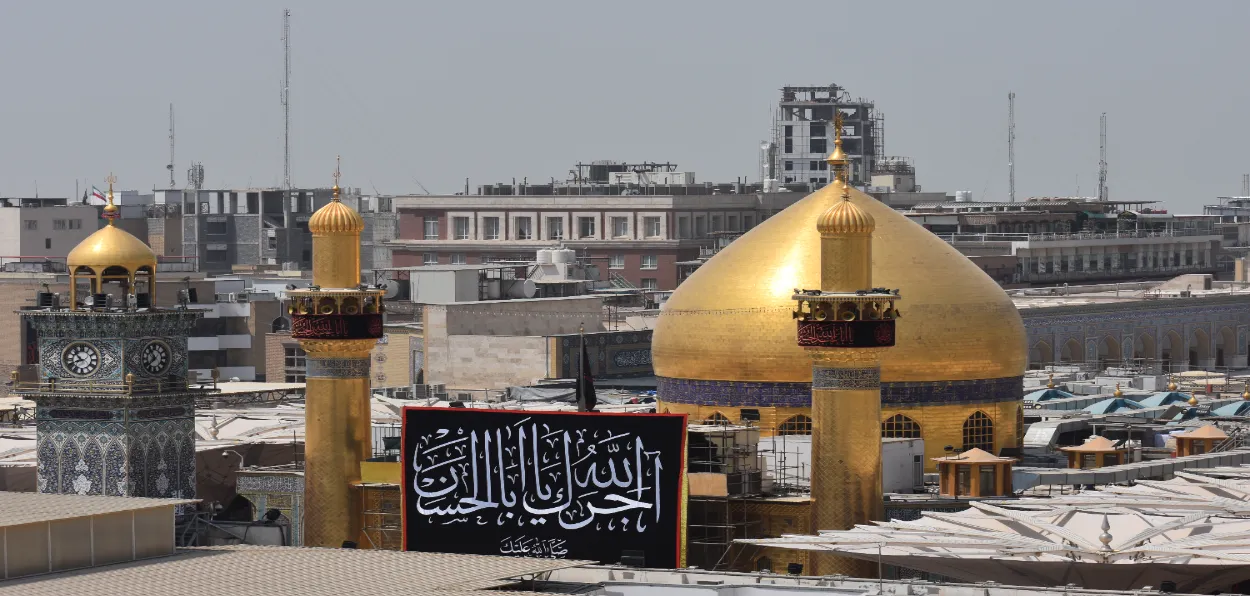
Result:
pixel 1173 355
pixel 979 432
pixel 1199 349
pixel 1072 351
pixel 899 426
pixel 1146 347
pixel 717 418
pixel 1225 346
pixel 1041 354
pixel 280 324
pixel 796 425
pixel 1108 351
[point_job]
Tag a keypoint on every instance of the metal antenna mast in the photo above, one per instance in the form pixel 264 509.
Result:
pixel 286 99
pixel 1011 146
pixel 1102 158
pixel 170 165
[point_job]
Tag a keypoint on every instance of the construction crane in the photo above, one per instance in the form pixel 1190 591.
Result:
pixel 1011 146
pixel 1102 158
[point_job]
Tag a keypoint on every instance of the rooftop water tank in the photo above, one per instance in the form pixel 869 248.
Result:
pixel 963 196
pixel 545 256
pixel 564 255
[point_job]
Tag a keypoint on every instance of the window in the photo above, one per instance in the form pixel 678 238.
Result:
pixel 899 426
pixel 555 228
pixel 789 146
pixel 789 130
pixel 683 227
pixel 749 415
pixel 490 228
pixel 620 227
pixel 461 225
pixel 524 228
pixel 58 224
pixel 796 425
pixel 273 243
pixel 585 227
pixel 650 262
pixel 295 364
pixel 979 432
pixel 47 243
pixel 215 256
pixel 963 480
pixel 649 283
pixel 651 227
pixel 429 258
pixel 818 145
pixel 1089 460
pixel 788 166
pixel 216 228
pixel 431 228
pixel 731 223
pixel 700 227
pixel 717 418
pixel 817 129
pixel 616 262
pixel 748 222
pixel 75 224
pixel 988 480
pixel 716 223
pixel 32 224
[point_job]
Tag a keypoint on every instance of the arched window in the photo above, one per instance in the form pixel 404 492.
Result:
pixel 796 425
pixel 979 432
pixel 717 418
pixel 899 426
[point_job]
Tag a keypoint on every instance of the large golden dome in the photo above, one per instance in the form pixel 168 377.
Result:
pixel 111 246
pixel 730 321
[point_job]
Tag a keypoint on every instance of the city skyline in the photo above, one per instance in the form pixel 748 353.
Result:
pixel 427 96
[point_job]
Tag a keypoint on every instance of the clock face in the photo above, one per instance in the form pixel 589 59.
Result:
pixel 155 357
pixel 80 359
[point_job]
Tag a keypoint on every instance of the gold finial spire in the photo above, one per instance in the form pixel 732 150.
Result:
pixel 838 160
pixel 1118 393
pixel 1245 395
pixel 110 210
pixel 337 161
pixel 1050 384
pixel 1172 384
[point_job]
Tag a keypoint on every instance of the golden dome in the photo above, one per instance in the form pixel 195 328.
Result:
pixel 844 218
pixel 731 321
pixel 1193 400
pixel 111 246
pixel 1245 395
pixel 336 218
pixel 1118 393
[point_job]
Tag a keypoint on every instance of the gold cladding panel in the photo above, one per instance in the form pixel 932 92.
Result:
pixel 336 261
pixel 731 319
pixel 939 425
pixel 846 468
pixel 336 441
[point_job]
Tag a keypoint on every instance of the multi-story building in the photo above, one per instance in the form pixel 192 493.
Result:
pixel 241 229
pixel 635 234
pixel 803 133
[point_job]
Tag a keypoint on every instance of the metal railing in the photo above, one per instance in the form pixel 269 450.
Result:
pixel 129 386
pixel 1054 236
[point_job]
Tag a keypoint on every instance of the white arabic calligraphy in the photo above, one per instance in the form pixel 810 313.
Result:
pixel 531 474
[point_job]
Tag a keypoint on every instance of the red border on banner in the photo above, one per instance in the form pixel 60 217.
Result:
pixel 403 449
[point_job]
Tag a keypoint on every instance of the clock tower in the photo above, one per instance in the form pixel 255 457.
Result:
pixel 114 411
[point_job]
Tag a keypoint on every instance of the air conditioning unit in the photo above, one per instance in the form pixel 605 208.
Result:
pixel 438 388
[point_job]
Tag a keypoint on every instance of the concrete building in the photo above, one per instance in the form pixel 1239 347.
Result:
pixel 229 230
pixel 228 339
pixel 803 135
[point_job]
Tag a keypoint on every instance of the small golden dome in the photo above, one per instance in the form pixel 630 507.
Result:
pixel 1050 384
pixel 1245 395
pixel 1193 400
pixel 845 218
pixel 111 246
pixel 1172 384
pixel 1118 393
pixel 336 218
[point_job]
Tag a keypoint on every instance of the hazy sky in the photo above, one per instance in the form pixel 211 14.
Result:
pixel 440 91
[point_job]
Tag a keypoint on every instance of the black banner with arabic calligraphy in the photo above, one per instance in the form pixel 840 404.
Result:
pixel 846 334
pixel 544 484
pixel 362 326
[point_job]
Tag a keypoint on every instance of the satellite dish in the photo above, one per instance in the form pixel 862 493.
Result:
pixel 392 289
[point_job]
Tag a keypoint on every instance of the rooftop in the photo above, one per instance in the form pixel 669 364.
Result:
pixel 289 570
pixel 29 508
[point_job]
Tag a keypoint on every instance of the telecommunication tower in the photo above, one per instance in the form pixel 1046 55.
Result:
pixel 1011 146
pixel 1102 158
pixel 286 99
pixel 170 165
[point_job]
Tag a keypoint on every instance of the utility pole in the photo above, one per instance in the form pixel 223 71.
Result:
pixel 286 99
pixel 1102 159
pixel 1011 146
pixel 1245 185
pixel 170 165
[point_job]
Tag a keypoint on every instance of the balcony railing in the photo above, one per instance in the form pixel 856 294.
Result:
pixel 129 386
pixel 1056 236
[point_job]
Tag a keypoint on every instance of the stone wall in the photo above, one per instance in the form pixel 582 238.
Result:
pixel 489 362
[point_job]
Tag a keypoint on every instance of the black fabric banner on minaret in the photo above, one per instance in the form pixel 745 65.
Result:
pixel 586 399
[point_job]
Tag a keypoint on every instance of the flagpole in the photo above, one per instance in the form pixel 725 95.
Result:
pixel 581 374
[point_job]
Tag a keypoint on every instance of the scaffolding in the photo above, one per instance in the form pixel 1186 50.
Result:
pixel 803 133
pixel 382 522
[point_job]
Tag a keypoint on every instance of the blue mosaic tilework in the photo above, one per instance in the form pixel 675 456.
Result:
pixel 799 395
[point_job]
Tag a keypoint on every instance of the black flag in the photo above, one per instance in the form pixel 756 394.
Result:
pixel 585 384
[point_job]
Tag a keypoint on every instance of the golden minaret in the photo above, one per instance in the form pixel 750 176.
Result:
pixel 845 327
pixel 338 320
